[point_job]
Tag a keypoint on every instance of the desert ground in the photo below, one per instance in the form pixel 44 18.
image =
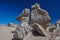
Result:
pixel 6 32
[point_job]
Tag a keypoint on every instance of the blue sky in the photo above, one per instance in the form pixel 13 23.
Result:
pixel 10 9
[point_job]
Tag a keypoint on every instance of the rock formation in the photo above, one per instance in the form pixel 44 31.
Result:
pixel 40 16
pixel 24 28
pixel 27 18
pixel 35 22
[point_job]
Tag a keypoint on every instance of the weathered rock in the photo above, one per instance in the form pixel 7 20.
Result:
pixel 29 36
pixel 56 35
pixel 51 29
pixel 40 29
pixel 23 30
pixel 39 16
pixel 25 24
pixel 24 13
pixel 18 33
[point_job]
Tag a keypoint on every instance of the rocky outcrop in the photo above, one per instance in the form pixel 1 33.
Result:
pixel 33 22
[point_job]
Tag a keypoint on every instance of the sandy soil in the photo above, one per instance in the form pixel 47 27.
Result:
pixel 5 32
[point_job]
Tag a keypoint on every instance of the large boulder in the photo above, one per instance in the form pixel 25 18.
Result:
pixel 40 16
pixel 38 28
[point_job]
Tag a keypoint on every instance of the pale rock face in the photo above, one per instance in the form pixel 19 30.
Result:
pixel 40 16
